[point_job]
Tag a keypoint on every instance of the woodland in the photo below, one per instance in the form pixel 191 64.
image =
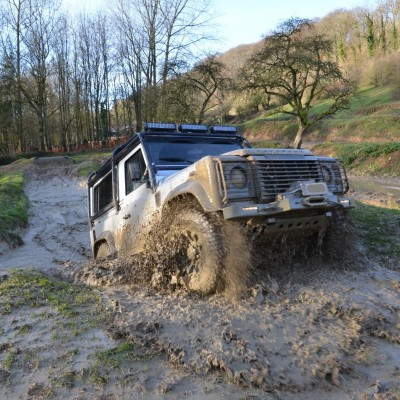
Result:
pixel 67 81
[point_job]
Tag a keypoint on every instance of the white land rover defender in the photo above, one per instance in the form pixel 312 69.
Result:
pixel 196 177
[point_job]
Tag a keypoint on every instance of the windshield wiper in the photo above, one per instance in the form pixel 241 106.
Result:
pixel 175 159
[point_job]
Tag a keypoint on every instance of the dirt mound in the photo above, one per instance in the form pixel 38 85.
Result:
pixel 55 160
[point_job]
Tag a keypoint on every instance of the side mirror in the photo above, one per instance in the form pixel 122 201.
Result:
pixel 135 171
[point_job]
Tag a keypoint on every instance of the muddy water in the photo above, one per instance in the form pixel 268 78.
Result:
pixel 388 186
pixel 58 227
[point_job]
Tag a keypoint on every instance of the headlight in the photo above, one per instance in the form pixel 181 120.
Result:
pixel 238 177
pixel 327 174
pixel 332 176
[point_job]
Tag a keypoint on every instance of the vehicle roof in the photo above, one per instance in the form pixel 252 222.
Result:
pixel 120 151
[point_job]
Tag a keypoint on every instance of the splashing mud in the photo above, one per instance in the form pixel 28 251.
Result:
pixel 306 316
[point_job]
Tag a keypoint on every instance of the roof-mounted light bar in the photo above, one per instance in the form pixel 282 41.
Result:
pixel 223 129
pixel 185 128
pixel 157 126
pixel 188 128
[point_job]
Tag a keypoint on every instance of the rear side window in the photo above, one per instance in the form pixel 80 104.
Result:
pixel 103 195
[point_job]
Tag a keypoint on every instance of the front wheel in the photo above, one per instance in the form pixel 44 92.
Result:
pixel 196 243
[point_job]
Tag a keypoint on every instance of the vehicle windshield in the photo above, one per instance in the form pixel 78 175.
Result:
pixel 175 151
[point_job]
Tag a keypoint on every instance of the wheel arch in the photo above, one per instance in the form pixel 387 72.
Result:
pixel 190 192
pixel 105 237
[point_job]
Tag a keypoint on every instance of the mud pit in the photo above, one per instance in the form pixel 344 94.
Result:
pixel 337 334
pixel 330 332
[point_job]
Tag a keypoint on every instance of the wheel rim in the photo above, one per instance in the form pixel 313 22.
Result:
pixel 191 250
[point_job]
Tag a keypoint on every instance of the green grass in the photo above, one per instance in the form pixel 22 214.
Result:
pixel 114 358
pixel 117 358
pixel 381 229
pixel 268 129
pixel 10 359
pixel 371 96
pixel 24 329
pixel 88 168
pixel 13 206
pixel 372 158
pixel 372 115
pixel 33 289
pixel 94 375
pixel 266 144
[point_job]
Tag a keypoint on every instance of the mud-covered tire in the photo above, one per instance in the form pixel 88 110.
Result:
pixel 196 241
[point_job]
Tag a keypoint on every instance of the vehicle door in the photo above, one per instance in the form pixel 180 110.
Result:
pixel 134 194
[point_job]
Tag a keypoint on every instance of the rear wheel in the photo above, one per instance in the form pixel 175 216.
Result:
pixel 103 250
pixel 195 242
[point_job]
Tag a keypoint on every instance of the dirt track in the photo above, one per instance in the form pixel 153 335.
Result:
pixel 57 221
pixel 330 332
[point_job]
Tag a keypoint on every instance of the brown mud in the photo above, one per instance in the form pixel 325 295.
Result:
pixel 314 323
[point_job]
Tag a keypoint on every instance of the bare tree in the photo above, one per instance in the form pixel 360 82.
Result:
pixel 7 105
pixel 183 25
pixel 130 56
pixel 67 76
pixel 207 78
pixel 294 66
pixel 153 35
pixel 14 16
pixel 64 83
pixel 41 27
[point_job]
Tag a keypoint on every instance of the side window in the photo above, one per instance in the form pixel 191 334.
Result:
pixel 135 170
pixel 103 195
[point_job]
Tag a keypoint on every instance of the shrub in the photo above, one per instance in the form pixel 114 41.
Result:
pixel 5 160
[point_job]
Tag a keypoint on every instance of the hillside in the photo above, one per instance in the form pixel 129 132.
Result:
pixel 374 116
pixel 366 136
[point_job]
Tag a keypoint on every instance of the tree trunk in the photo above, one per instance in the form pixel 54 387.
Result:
pixel 299 136
pixel 42 133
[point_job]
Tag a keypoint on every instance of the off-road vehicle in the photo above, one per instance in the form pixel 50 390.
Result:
pixel 195 177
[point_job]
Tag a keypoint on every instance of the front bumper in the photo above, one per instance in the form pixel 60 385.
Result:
pixel 289 205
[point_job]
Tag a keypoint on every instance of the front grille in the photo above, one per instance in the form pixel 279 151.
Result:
pixel 276 176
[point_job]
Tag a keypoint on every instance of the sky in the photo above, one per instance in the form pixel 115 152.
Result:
pixel 247 21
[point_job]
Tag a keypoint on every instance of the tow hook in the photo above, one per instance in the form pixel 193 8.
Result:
pixel 315 201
